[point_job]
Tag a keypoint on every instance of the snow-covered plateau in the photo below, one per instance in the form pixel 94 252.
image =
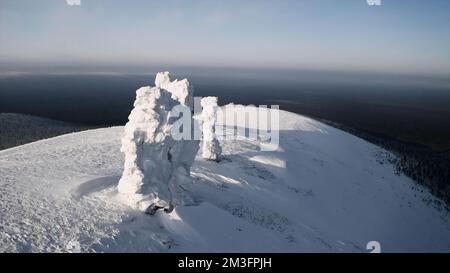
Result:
pixel 322 190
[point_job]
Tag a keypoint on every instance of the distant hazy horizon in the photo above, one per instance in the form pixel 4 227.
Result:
pixel 399 37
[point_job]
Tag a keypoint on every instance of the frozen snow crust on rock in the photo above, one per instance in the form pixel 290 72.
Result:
pixel 155 163
pixel 211 149
pixel 180 90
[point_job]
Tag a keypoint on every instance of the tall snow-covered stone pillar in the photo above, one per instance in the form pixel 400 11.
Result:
pixel 155 163
pixel 211 149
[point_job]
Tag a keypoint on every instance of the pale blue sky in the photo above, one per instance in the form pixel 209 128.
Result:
pixel 401 36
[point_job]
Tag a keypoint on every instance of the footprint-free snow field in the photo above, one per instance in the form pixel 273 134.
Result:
pixel 322 190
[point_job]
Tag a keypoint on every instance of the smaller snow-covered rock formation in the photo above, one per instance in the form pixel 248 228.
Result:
pixel 155 163
pixel 211 149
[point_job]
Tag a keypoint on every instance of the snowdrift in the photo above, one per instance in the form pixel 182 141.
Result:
pixel 322 190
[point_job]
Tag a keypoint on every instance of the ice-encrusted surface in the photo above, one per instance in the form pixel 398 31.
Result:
pixel 156 164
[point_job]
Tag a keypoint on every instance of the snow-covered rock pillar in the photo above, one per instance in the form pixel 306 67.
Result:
pixel 211 149
pixel 180 90
pixel 155 163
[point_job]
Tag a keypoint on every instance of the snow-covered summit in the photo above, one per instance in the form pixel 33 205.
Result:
pixel 322 190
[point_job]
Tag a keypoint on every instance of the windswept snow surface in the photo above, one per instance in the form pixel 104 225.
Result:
pixel 322 190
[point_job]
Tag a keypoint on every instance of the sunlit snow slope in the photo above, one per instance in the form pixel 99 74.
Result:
pixel 323 190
